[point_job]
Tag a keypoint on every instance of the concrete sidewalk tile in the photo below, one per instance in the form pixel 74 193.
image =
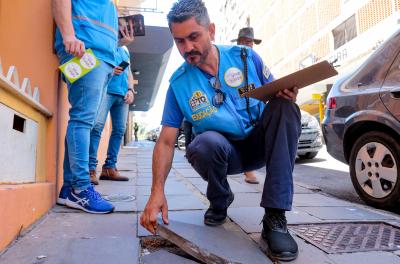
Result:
pixel 249 218
pixel 230 245
pixel 163 256
pixel 72 238
pixel 366 258
pixel 300 189
pixel 190 217
pixel 188 173
pixel 171 188
pixel 110 189
pixel 176 202
pixel 241 188
pixel 246 200
pixel 316 199
pixel 308 254
pixel 202 188
pixel 116 184
pixel 344 213
pixel 125 206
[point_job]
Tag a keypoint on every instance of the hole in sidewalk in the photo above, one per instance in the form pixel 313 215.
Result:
pixel 152 244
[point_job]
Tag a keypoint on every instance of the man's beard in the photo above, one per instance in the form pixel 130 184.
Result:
pixel 203 56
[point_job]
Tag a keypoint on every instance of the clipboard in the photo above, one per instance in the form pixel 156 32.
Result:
pixel 302 78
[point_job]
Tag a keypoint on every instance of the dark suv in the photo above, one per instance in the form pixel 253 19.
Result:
pixel 362 125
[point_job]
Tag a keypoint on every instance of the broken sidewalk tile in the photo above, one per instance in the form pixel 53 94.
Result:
pixel 213 244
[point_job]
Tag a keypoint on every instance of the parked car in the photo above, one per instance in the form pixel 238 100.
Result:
pixel 362 125
pixel 153 134
pixel 310 141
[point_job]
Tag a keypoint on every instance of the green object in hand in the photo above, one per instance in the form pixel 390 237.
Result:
pixel 76 67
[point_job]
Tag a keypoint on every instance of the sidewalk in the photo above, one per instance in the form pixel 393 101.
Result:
pixel 71 236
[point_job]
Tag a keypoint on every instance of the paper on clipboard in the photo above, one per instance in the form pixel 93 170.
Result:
pixel 302 78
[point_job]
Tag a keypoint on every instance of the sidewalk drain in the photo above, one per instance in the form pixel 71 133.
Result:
pixel 350 237
pixel 119 198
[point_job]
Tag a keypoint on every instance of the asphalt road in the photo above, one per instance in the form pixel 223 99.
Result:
pixel 327 174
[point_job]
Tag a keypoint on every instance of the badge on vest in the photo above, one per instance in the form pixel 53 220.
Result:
pixel 233 77
pixel 198 101
pixel 242 90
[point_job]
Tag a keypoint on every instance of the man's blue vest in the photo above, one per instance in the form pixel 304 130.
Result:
pixel 96 24
pixel 119 83
pixel 194 94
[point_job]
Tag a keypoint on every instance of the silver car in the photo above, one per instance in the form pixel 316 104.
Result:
pixel 310 141
pixel 362 125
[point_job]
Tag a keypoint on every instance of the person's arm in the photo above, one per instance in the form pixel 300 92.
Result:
pixel 62 10
pixel 130 94
pixel 162 160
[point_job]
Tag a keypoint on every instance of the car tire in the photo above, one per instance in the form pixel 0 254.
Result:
pixel 308 155
pixel 368 165
pixel 181 142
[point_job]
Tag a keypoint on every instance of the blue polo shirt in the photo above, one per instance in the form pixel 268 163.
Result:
pixel 172 114
pixel 96 24
pixel 119 83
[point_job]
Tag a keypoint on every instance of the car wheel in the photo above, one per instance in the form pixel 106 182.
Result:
pixel 374 169
pixel 181 142
pixel 308 155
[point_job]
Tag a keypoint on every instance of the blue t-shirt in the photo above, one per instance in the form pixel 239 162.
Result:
pixel 173 116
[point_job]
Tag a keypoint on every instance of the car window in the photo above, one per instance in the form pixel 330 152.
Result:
pixel 372 73
pixel 393 76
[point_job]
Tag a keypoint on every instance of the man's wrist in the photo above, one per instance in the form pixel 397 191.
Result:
pixel 132 90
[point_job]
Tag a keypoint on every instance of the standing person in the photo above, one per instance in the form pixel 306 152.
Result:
pixel 233 133
pixel 246 38
pixel 116 101
pixel 136 130
pixel 82 25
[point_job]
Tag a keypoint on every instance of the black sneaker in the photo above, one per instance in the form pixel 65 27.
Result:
pixel 214 217
pixel 281 245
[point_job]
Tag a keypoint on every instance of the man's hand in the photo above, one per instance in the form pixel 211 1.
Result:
pixel 118 70
pixel 129 96
pixel 156 203
pixel 74 46
pixel 127 35
pixel 289 94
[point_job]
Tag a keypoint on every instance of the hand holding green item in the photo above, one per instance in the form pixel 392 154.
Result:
pixel 76 67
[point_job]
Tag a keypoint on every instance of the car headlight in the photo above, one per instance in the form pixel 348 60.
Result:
pixel 313 123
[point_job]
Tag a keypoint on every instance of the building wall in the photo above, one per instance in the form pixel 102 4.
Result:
pixel 295 31
pixel 26 41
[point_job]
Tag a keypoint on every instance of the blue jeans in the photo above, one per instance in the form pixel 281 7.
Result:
pixel 272 143
pixel 85 96
pixel 119 113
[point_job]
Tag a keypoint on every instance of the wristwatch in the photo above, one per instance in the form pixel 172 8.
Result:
pixel 133 91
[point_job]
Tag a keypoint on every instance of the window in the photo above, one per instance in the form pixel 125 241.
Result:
pixel 345 32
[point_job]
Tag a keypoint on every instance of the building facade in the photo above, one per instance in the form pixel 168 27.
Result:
pixel 299 33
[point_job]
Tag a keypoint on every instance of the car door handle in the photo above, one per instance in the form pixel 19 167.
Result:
pixel 395 92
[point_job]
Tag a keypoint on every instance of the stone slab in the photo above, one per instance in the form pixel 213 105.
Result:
pixel 316 199
pixel 163 256
pixel 188 173
pixel 307 253
pixel 249 218
pixel 232 246
pixel 72 238
pixel 344 213
pixel 171 188
pixel 237 187
pixel 246 200
pixel 110 189
pixel 176 202
pixel 189 217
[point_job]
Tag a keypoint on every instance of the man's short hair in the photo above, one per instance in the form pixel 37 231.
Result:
pixel 183 10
